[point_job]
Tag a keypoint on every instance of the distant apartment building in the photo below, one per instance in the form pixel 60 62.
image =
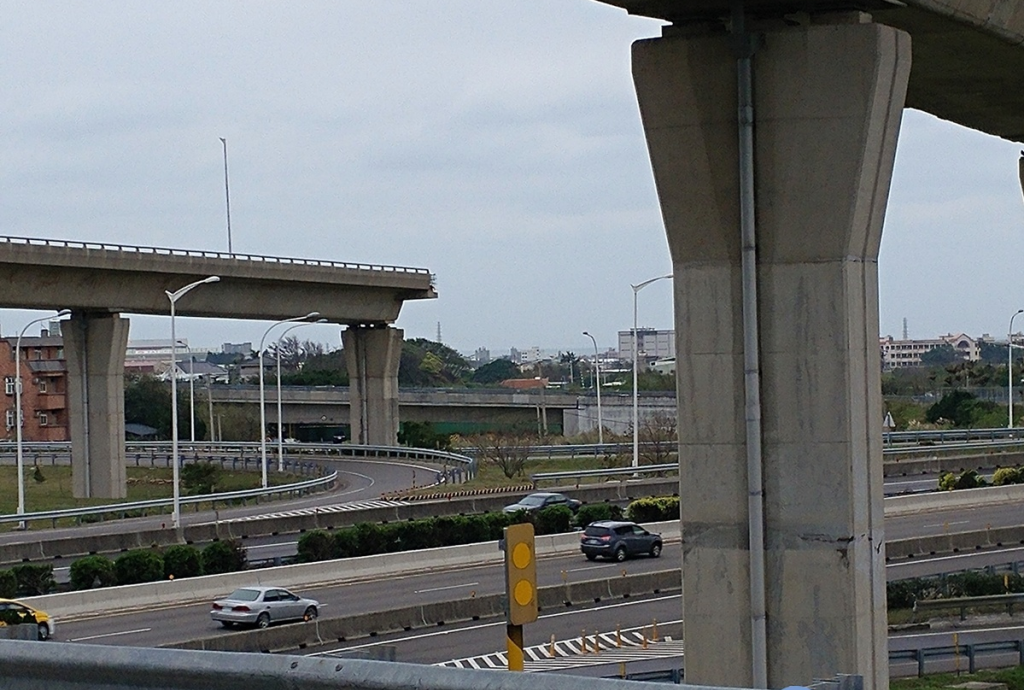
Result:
pixel 652 344
pixel 481 356
pixel 44 375
pixel 528 356
pixel 907 353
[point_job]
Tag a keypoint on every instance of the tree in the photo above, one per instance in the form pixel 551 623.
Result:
pixel 427 363
pixel 506 451
pixel 657 435
pixel 147 400
pixel 940 355
pixel 200 477
pixel 495 372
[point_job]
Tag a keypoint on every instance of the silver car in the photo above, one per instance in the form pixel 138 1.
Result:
pixel 261 606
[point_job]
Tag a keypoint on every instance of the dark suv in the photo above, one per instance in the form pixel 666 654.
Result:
pixel 618 540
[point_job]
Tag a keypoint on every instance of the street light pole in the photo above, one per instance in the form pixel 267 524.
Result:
pixel 17 411
pixel 263 409
pixel 227 195
pixel 597 372
pixel 280 425
pixel 636 399
pixel 1009 370
pixel 174 297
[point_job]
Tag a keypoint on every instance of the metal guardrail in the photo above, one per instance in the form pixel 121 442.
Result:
pixel 73 665
pixel 947 652
pixel 963 603
pixel 609 472
pixel 167 502
pixel 203 254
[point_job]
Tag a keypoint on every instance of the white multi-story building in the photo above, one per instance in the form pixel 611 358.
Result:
pixel 651 344
pixel 907 353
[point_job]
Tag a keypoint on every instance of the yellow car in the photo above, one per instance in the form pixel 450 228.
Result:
pixel 46 624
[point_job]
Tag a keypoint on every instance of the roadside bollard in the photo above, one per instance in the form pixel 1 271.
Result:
pixel 618 635
pixel 597 643
pixel 654 631
pixel 551 649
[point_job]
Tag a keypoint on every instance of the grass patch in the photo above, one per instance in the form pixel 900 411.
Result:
pixel 144 483
pixel 1012 677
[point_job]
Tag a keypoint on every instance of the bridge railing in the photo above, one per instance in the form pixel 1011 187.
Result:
pixel 202 254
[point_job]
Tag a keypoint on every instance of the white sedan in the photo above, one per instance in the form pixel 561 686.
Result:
pixel 261 606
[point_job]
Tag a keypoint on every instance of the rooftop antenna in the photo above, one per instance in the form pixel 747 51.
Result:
pixel 439 331
pixel 227 195
pixel 906 334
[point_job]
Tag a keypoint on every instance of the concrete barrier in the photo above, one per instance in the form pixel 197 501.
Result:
pixel 896 506
pixel 302 635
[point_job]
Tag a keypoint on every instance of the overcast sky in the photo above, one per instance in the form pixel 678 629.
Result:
pixel 497 144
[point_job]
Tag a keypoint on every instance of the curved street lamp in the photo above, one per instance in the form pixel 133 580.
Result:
pixel 597 373
pixel 1009 369
pixel 176 480
pixel 636 400
pixel 280 425
pixel 263 410
pixel 17 410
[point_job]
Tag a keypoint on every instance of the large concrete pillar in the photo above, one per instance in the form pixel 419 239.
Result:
pixel 372 355
pixel 828 99
pixel 94 347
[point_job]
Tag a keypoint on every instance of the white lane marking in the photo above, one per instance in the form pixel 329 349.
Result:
pixel 117 634
pixel 441 589
pixel 503 624
pixel 948 524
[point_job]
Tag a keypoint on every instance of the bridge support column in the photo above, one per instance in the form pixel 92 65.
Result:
pixel 372 355
pixel 94 348
pixel 828 99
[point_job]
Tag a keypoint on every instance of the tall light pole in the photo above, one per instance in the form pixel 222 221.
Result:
pixel 1009 369
pixel 597 372
pixel 174 297
pixel 263 409
pixel 227 195
pixel 17 410
pixel 280 425
pixel 636 399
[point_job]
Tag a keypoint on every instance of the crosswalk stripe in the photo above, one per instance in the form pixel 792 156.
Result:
pixel 336 508
pixel 570 654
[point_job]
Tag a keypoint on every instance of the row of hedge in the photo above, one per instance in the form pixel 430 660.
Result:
pixel 970 479
pixel 132 567
pixel 367 539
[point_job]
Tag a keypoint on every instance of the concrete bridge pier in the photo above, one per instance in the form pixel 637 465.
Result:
pixel 372 354
pixel 828 99
pixel 94 348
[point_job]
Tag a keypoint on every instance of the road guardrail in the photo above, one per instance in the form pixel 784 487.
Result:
pixel 298 487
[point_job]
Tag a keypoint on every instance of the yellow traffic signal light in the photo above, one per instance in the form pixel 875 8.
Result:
pixel 520 574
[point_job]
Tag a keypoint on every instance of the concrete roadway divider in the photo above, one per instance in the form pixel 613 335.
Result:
pixel 896 506
pixel 329 630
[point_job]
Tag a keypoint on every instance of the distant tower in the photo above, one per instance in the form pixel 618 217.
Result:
pixel 439 332
pixel 906 333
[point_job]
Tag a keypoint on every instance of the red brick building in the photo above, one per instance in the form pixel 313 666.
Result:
pixel 44 377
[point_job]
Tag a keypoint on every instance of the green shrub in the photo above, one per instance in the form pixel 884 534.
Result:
pixel 345 543
pixel 553 520
pixel 8 584
pixel 370 538
pixel 92 572
pixel 970 479
pixel 971 584
pixel 654 509
pixel 34 579
pixel 902 594
pixel 592 512
pixel 226 556
pixel 1008 475
pixel 200 477
pixel 314 546
pixel 182 560
pixel 140 565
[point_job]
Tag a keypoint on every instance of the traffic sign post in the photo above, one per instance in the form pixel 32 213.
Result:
pixel 520 588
